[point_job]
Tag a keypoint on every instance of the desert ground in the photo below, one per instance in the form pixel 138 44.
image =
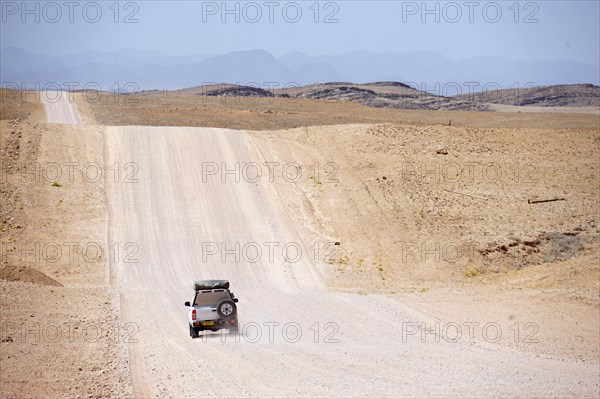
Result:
pixel 426 264
pixel 190 108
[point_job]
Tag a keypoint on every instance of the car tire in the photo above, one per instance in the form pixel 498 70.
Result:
pixel 193 332
pixel 226 309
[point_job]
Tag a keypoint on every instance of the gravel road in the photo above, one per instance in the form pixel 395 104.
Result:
pixel 173 221
pixel 61 108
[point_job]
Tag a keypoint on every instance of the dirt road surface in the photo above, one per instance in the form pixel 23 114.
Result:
pixel 173 221
pixel 61 108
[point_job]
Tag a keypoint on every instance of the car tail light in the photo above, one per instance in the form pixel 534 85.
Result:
pixel 193 314
pixel 233 321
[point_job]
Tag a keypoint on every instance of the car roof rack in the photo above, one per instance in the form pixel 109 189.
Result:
pixel 200 285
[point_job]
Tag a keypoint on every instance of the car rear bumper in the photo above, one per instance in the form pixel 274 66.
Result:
pixel 215 324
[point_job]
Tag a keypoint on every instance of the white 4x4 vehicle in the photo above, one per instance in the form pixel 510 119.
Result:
pixel 213 308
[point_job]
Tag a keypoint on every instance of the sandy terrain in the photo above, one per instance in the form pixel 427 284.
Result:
pixel 527 271
pixel 438 229
pixel 60 335
pixel 190 109
pixel 545 110
pixel 21 105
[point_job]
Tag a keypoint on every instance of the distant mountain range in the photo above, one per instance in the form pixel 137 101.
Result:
pixel 426 71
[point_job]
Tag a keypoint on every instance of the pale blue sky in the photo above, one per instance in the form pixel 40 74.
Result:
pixel 566 30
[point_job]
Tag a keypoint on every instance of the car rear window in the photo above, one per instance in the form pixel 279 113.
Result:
pixel 208 298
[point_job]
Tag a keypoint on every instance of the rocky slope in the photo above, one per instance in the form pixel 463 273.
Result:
pixel 397 95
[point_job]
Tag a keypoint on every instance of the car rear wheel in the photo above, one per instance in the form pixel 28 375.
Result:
pixel 193 332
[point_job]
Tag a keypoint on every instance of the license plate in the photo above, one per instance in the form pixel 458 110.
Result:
pixel 208 323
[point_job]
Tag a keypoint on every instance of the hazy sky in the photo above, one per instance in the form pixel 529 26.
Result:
pixel 543 30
